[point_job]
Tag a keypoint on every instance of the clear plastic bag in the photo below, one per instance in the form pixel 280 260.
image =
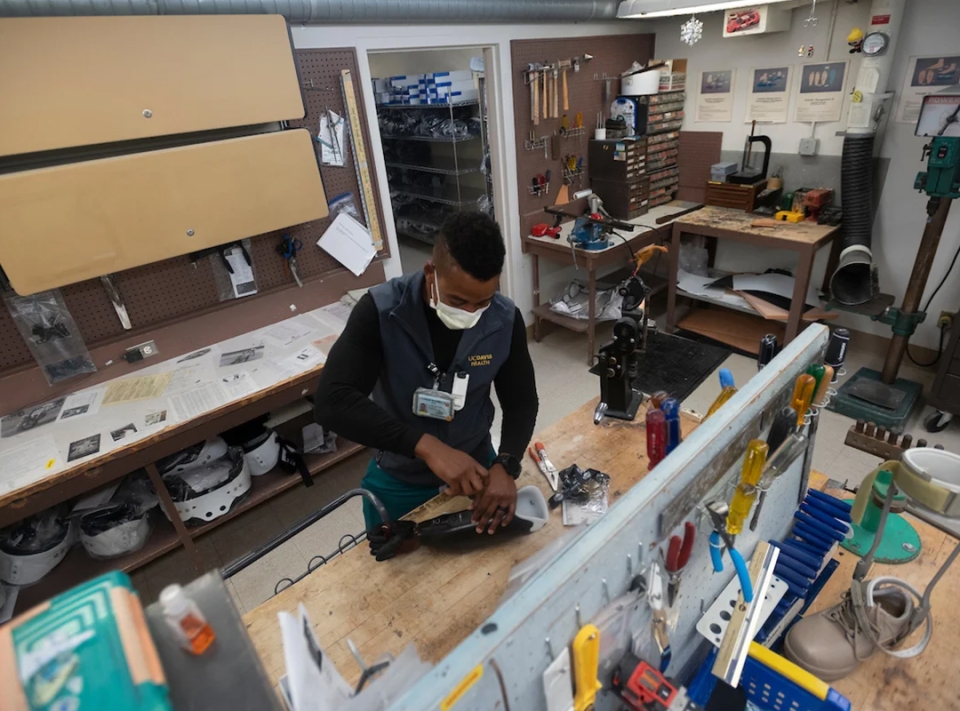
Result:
pixel 344 203
pixel 51 334
pixel 380 693
pixel 130 502
pixel 240 279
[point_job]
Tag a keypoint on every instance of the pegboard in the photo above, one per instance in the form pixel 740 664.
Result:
pixel 611 55
pixel 173 289
pixel 698 151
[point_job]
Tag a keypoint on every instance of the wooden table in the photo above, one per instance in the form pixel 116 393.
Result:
pixel 929 681
pixel 722 223
pixel 432 598
pixel 559 250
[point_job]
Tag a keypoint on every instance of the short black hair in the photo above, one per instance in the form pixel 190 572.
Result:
pixel 474 242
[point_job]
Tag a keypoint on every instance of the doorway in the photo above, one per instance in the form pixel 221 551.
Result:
pixel 432 111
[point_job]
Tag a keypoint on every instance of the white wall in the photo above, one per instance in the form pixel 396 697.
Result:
pixel 517 279
pixel 390 64
pixel 929 27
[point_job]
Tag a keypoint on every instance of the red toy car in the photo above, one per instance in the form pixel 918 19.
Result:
pixel 742 20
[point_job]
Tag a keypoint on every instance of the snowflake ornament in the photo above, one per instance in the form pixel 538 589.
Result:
pixel 691 31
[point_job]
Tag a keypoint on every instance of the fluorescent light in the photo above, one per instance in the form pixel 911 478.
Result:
pixel 632 9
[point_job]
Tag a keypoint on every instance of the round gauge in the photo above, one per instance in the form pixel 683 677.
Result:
pixel 874 43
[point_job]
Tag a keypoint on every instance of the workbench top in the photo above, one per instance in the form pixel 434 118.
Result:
pixel 737 221
pixel 432 598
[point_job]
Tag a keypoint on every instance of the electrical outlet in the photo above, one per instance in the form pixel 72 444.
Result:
pixel 138 353
pixel 945 320
pixel 809 146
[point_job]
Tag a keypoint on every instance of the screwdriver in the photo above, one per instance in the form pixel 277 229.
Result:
pixel 802 395
pixel 656 437
pixel 784 425
pixel 768 349
pixel 725 394
pixel 746 491
pixel 776 465
pixel 817 371
pixel 656 400
pixel 671 411
pixel 820 398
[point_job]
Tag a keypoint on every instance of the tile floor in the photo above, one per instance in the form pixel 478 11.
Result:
pixel 563 384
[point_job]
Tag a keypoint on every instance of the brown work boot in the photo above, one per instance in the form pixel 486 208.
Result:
pixel 832 643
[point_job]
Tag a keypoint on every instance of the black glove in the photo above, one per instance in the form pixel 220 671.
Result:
pixel 386 540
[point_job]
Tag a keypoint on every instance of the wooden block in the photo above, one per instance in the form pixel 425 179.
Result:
pixel 733 328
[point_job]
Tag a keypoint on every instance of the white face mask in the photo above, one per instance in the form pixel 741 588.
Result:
pixel 453 318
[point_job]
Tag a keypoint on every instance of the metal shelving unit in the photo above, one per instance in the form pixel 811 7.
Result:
pixel 433 203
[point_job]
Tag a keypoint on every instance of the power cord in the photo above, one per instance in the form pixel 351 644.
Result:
pixel 925 308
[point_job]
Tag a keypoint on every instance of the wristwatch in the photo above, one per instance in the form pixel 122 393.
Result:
pixel 510 464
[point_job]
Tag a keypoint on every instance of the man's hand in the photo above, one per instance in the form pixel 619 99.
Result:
pixel 498 502
pixel 462 473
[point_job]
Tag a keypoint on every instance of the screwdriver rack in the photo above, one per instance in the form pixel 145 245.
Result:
pixel 501 664
pixel 873 439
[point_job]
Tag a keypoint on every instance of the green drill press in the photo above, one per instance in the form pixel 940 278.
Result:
pixel 881 397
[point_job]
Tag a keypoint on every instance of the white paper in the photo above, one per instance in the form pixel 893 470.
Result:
pixel 779 284
pixel 195 402
pixel 715 98
pixel 286 332
pixel 700 286
pixel 242 277
pixel 331 143
pixel 314 682
pixel 769 96
pixel 349 242
pixel 820 92
pixel 268 373
pixel 334 316
pixel 925 75
pixel 306 358
pixel 81 404
pixel 237 385
pixel 189 376
pixel 558 683
pixel 39 454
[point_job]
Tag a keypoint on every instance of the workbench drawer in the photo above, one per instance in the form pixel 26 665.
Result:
pixel 81 81
pixel 617 160
pixel 78 221
pixel 623 200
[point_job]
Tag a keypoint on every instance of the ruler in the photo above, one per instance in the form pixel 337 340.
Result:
pixel 360 160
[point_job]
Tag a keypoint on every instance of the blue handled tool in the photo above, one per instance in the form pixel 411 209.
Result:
pixel 671 411
pixel 842 508
pixel 792 559
pixel 825 518
pixel 726 379
pixel 812 537
pixel 804 548
pixel 716 554
pixel 288 249
pixel 821 529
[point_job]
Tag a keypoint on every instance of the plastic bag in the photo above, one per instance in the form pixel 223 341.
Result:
pixel 130 502
pixel 380 693
pixel 574 301
pixel 37 533
pixel 240 279
pixel 344 203
pixel 51 334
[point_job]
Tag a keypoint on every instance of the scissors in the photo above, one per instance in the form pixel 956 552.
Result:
pixel 288 249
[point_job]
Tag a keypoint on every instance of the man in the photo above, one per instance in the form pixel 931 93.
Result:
pixel 428 346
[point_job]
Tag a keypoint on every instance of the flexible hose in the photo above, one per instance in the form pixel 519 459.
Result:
pixel 852 281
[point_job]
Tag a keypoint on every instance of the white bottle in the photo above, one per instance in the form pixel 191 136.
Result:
pixel 189 626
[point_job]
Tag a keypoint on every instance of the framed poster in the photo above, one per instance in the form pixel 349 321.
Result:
pixel 820 92
pixel 715 97
pixel 925 75
pixel 769 97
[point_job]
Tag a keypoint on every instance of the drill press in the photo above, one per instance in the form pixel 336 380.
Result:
pixel 881 397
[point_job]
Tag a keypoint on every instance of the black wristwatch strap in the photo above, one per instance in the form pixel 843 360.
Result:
pixel 510 464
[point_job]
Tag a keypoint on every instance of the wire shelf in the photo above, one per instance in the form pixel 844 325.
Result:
pixel 451 105
pixel 431 139
pixel 448 195
pixel 442 165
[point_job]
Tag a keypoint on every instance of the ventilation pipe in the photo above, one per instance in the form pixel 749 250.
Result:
pixel 854 282
pixel 334 12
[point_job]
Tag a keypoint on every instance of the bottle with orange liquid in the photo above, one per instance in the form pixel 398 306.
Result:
pixel 184 618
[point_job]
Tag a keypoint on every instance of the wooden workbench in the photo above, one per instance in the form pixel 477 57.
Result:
pixel 436 599
pixel 722 223
pixel 929 681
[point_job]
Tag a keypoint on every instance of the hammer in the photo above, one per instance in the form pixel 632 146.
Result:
pixel 565 64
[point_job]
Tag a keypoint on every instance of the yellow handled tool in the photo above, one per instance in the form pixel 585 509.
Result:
pixel 802 396
pixel 746 492
pixel 821 395
pixel 725 394
pixel 586 663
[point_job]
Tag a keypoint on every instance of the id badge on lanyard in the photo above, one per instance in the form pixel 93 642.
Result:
pixel 437 404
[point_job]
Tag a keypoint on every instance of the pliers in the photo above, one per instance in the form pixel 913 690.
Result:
pixel 678 554
pixel 716 553
pixel 655 600
pixel 547 468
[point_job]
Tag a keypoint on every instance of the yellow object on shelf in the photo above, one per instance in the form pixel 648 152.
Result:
pixel 786 216
pixel 725 394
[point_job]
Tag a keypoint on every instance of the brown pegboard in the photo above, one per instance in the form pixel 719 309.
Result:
pixel 173 289
pixel 612 55
pixel 698 151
